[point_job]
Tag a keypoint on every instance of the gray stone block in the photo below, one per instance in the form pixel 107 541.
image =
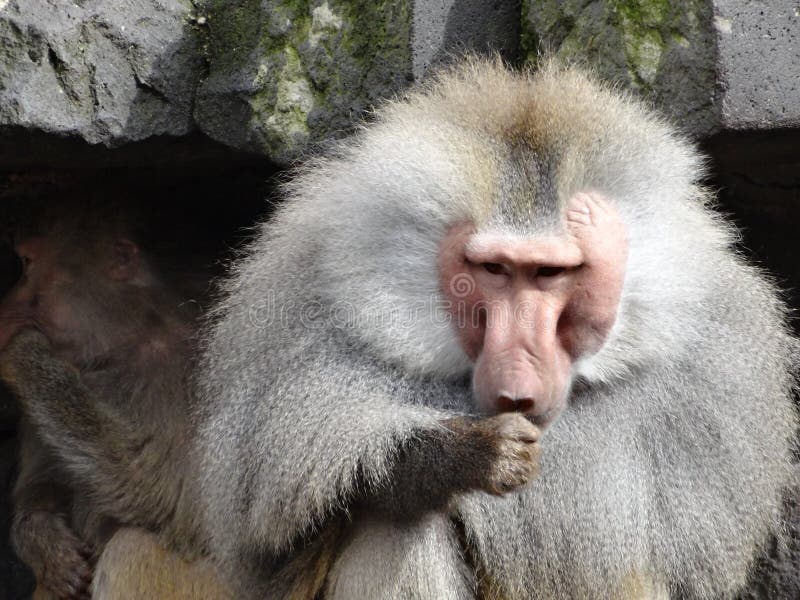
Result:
pixel 446 28
pixel 272 77
pixel 109 72
pixel 709 66
pixel 285 74
pixel 663 51
pixel 758 63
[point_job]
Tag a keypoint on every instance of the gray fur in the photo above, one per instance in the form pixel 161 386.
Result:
pixel 669 463
pixel 431 542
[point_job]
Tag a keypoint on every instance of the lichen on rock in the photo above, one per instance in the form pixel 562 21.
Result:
pixel 661 50
pixel 285 74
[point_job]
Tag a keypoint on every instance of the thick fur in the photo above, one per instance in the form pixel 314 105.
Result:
pixel 325 356
pixel 106 442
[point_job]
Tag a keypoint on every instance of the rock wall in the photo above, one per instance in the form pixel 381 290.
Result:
pixel 200 102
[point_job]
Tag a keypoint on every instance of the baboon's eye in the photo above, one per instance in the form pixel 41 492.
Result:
pixel 549 271
pixel 494 268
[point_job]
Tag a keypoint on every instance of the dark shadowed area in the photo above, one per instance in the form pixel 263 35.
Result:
pixel 758 178
pixel 190 207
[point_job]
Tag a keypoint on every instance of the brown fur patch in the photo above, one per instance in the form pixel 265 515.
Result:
pixel 311 585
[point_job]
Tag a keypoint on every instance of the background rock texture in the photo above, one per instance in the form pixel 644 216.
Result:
pixel 203 102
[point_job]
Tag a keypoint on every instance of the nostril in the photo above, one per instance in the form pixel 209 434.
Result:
pixel 524 404
pixel 507 404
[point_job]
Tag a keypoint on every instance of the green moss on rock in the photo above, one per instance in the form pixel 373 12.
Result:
pixel 641 23
pixel 659 49
pixel 292 72
pixel 282 119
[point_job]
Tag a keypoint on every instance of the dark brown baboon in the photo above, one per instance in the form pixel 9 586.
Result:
pixel 97 345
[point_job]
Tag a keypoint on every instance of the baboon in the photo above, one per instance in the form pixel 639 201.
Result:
pixel 97 345
pixel 501 265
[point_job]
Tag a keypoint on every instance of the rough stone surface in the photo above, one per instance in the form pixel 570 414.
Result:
pixel 283 74
pixel 709 66
pixel 443 28
pixel 759 63
pixel 661 50
pixel 277 75
pixel 107 72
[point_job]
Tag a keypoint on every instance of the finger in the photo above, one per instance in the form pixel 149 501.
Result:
pixel 576 216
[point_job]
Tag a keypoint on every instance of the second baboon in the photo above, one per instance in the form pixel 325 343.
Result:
pixel 97 346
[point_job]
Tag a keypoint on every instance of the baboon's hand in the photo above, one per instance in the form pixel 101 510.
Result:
pixel 64 563
pixel 506 450
pixel 69 574
pixel 516 452
pixel 32 370
pixel 24 352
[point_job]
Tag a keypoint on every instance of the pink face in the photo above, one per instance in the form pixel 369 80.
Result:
pixel 526 309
